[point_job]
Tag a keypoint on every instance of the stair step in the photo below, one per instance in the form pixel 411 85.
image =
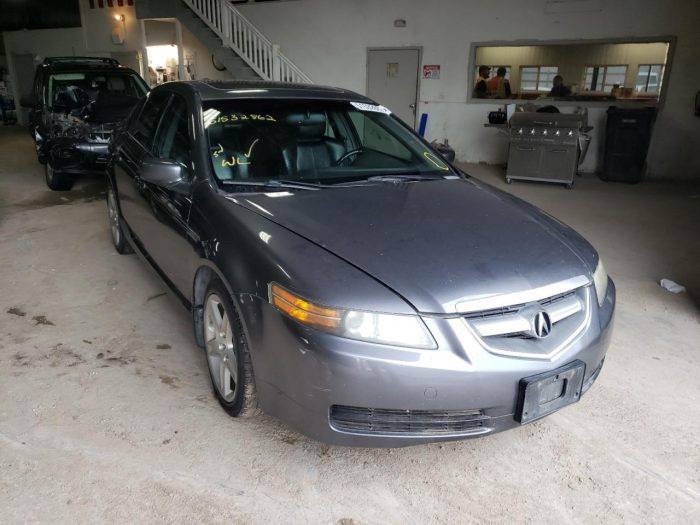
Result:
pixel 236 66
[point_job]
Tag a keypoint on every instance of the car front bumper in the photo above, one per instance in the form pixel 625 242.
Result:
pixel 314 381
pixel 77 155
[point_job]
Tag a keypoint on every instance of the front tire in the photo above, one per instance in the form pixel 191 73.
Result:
pixel 228 357
pixel 57 180
pixel 115 224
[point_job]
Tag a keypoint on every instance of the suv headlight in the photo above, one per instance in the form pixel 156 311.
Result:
pixel 600 280
pixel 388 329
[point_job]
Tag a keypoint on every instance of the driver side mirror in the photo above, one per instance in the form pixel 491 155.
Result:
pixel 165 174
pixel 29 101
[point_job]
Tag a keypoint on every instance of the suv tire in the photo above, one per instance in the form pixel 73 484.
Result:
pixel 57 180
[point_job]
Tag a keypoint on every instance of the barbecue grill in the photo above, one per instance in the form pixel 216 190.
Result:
pixel 545 147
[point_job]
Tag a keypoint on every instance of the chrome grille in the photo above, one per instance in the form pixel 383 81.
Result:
pixel 358 420
pixel 509 330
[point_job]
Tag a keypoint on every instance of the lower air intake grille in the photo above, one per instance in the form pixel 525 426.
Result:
pixel 407 422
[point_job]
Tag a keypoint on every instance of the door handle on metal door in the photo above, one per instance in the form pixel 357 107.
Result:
pixel 520 148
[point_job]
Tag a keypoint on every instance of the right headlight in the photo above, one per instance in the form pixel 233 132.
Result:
pixel 600 281
pixel 375 327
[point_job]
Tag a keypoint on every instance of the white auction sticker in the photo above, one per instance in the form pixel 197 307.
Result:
pixel 371 107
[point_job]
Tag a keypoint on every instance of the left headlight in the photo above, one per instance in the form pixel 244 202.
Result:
pixel 600 281
pixel 388 329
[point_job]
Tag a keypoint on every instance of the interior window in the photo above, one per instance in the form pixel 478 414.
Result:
pixel 172 138
pixel 649 78
pixel 537 78
pixel 145 125
pixel 604 78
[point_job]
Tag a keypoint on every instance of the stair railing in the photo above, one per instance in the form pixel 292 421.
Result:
pixel 237 32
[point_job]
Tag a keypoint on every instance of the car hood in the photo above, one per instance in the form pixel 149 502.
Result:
pixel 435 243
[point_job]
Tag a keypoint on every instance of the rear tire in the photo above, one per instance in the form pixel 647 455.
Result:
pixel 227 353
pixel 115 223
pixel 57 180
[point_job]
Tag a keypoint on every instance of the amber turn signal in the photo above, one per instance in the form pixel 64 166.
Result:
pixel 302 310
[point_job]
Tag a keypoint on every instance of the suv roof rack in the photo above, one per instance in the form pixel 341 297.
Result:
pixel 86 60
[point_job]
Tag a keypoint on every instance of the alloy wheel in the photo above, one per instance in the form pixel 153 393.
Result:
pixel 221 354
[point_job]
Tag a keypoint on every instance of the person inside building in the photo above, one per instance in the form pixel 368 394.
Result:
pixel 498 86
pixel 558 88
pixel 481 88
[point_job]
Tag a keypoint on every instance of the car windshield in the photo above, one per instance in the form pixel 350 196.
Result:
pixel 76 90
pixel 319 142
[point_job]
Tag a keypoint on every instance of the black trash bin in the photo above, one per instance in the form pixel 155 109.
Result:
pixel 627 137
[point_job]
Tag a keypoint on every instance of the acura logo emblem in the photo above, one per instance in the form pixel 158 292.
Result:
pixel 542 324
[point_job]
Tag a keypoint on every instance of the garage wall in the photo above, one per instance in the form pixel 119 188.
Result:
pixel 328 39
pixel 203 67
pixel 40 43
pixel 99 22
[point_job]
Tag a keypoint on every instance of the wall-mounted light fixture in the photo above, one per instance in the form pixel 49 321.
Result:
pixel 118 29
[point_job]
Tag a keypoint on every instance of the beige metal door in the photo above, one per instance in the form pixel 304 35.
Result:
pixel 392 80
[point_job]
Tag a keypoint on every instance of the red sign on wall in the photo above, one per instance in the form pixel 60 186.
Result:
pixel 431 71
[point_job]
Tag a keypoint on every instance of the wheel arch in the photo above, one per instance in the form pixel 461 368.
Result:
pixel 204 275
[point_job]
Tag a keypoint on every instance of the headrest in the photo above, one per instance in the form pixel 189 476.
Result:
pixel 116 83
pixel 310 126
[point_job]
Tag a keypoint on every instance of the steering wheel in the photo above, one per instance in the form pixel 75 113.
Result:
pixel 347 155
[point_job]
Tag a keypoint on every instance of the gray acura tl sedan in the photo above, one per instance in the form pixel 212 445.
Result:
pixel 343 277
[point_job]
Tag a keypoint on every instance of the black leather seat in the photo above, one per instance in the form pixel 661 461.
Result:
pixel 242 151
pixel 226 150
pixel 310 149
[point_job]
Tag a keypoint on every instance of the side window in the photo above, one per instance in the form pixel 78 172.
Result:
pixel 172 140
pixel 144 127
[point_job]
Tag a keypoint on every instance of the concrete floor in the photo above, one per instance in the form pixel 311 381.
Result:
pixel 106 412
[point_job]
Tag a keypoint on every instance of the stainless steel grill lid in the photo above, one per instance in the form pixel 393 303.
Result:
pixel 548 120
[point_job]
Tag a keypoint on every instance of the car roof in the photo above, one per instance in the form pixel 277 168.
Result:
pixel 82 64
pixel 232 89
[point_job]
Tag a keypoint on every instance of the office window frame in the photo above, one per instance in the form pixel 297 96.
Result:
pixel 605 86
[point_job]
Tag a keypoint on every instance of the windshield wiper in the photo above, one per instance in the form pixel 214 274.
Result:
pixel 402 177
pixel 274 183
pixel 396 178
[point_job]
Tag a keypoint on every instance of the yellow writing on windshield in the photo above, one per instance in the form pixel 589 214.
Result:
pixel 237 117
pixel 435 160
pixel 236 160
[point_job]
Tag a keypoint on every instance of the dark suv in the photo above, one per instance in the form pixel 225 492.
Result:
pixel 74 106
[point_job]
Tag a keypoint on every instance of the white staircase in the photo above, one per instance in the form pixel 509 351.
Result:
pixel 240 35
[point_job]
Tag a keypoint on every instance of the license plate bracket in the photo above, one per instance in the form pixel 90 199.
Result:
pixel 544 393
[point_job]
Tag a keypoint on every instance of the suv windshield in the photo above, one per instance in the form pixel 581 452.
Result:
pixel 68 91
pixel 314 141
